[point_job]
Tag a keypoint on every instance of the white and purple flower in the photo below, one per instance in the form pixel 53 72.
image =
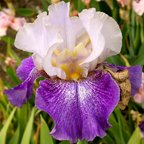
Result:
pixel 69 52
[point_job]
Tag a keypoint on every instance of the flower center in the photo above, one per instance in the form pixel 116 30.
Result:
pixel 69 60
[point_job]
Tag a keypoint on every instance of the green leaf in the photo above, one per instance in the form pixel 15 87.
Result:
pixel 22 118
pixel 44 133
pixel 27 133
pixel 123 128
pixel 44 4
pixel 139 60
pixel 82 142
pixel 104 7
pixel 114 130
pixel 15 138
pixel 108 140
pixel 26 12
pixel 115 60
pixel 8 39
pixel 142 141
pixel 136 137
pixel 10 52
pixel 141 50
pixel 3 132
pixel 10 71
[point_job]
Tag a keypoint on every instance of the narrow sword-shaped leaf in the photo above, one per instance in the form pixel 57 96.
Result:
pixel 3 131
pixel 44 133
pixel 27 133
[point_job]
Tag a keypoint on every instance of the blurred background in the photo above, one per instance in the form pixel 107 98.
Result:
pixel 28 125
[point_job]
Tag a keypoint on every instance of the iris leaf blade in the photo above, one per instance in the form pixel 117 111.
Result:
pixel 27 133
pixel 136 137
pixel 44 133
pixel 3 131
pixel 15 138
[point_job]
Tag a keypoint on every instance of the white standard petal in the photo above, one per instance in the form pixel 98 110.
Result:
pixel 104 33
pixel 37 37
pixel 69 27
pixel 93 27
pixel 112 36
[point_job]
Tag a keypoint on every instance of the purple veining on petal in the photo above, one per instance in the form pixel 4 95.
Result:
pixel 80 109
pixel 25 68
pixel 21 93
pixel 135 74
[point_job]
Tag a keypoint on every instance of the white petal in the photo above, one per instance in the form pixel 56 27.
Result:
pixel 68 27
pixel 37 37
pixel 47 65
pixel 38 61
pixel 105 35
pixel 58 15
pixel 74 29
pixel 93 27
pixel 112 36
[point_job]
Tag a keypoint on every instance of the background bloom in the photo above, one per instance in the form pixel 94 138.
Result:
pixel 139 96
pixel 124 2
pixel 7 19
pixel 138 6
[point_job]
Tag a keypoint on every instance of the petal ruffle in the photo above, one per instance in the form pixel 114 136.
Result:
pixel 80 109
pixel 25 68
pixel 104 33
pixel 69 27
pixel 93 27
pixel 21 93
pixel 135 75
pixel 37 37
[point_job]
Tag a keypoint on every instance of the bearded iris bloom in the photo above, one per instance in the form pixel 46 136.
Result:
pixel 78 92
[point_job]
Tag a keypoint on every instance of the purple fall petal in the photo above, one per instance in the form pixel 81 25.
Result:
pixel 25 68
pixel 80 109
pixel 135 74
pixel 19 94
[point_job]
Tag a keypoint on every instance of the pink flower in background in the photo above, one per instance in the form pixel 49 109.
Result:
pixel 7 19
pixel 17 23
pixel 123 2
pixel 139 97
pixel 87 2
pixel 138 6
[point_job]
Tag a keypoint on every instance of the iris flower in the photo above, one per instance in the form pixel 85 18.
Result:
pixel 78 92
